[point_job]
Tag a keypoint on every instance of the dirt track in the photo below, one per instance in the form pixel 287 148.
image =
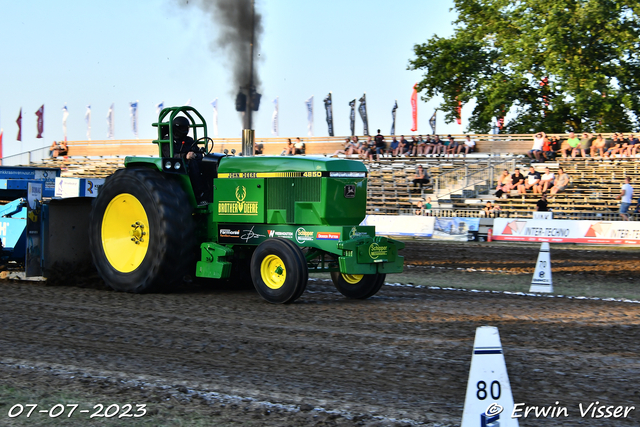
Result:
pixel 402 355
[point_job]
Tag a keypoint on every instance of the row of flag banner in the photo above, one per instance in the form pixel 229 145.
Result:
pixel 328 105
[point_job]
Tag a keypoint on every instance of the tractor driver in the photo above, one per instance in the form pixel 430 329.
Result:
pixel 184 147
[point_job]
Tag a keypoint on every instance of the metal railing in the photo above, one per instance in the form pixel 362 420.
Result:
pixel 464 178
pixel 479 213
pixel 26 157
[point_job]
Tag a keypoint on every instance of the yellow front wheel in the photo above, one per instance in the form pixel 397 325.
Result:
pixel 358 286
pixel 279 271
pixel 273 271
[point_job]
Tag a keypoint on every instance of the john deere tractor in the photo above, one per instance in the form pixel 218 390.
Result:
pixel 268 220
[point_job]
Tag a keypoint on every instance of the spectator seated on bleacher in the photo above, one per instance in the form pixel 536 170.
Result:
pixel 535 154
pixel 468 146
pixel 561 182
pixel 299 147
pixel 615 146
pixel 597 146
pixel 547 150
pixel 546 181
pixel 490 210
pixel 58 149
pixel 517 181
pixel 572 147
pixel 504 184
pixel 422 178
pixel 532 181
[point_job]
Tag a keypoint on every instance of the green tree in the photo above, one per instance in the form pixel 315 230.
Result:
pixel 553 65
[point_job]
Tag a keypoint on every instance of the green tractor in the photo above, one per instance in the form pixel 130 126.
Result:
pixel 268 220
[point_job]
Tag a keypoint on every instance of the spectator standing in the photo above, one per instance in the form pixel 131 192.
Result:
pixel 561 182
pixel 536 149
pixel 625 196
pixel 381 146
pixel 542 205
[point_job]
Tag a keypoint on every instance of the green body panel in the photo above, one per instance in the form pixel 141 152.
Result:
pixel 290 190
pixel 353 250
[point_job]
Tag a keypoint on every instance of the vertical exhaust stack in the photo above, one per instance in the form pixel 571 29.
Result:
pixel 248 142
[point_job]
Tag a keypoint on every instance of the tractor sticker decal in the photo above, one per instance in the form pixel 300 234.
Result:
pixel 283 234
pixel 239 206
pixel 355 233
pixel 323 235
pixel 250 234
pixel 313 174
pixel 226 232
pixel 376 251
pixel 303 235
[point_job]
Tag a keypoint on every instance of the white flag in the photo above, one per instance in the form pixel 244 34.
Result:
pixel 214 104
pixel 188 102
pixel 87 118
pixel 309 104
pixel 65 114
pixel 274 120
pixel 159 108
pixel 133 111
pixel 110 122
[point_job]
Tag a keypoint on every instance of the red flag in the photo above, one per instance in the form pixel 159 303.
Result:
pixel 19 122
pixel 414 108
pixel 459 119
pixel 40 114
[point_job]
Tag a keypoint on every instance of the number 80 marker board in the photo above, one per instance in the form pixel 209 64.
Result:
pixel 489 402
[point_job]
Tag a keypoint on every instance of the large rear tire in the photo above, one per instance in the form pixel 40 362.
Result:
pixel 279 271
pixel 358 286
pixel 142 235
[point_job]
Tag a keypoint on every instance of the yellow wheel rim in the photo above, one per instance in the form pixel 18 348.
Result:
pixel 352 279
pixel 273 271
pixel 125 233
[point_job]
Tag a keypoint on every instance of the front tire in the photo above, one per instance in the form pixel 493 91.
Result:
pixel 142 235
pixel 358 286
pixel 279 271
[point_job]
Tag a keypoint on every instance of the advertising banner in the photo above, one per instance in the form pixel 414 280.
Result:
pixel 394 225
pixel 565 231
pixel 455 228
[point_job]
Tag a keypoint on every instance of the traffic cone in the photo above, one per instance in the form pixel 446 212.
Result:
pixel 489 402
pixel 541 281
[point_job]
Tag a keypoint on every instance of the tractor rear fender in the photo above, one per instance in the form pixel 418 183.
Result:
pixel 174 168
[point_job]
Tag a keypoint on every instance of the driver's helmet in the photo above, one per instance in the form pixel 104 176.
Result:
pixel 180 127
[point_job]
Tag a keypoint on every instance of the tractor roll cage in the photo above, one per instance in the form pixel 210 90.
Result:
pixel 163 125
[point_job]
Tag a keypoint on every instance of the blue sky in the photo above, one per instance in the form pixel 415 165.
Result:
pixel 83 53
